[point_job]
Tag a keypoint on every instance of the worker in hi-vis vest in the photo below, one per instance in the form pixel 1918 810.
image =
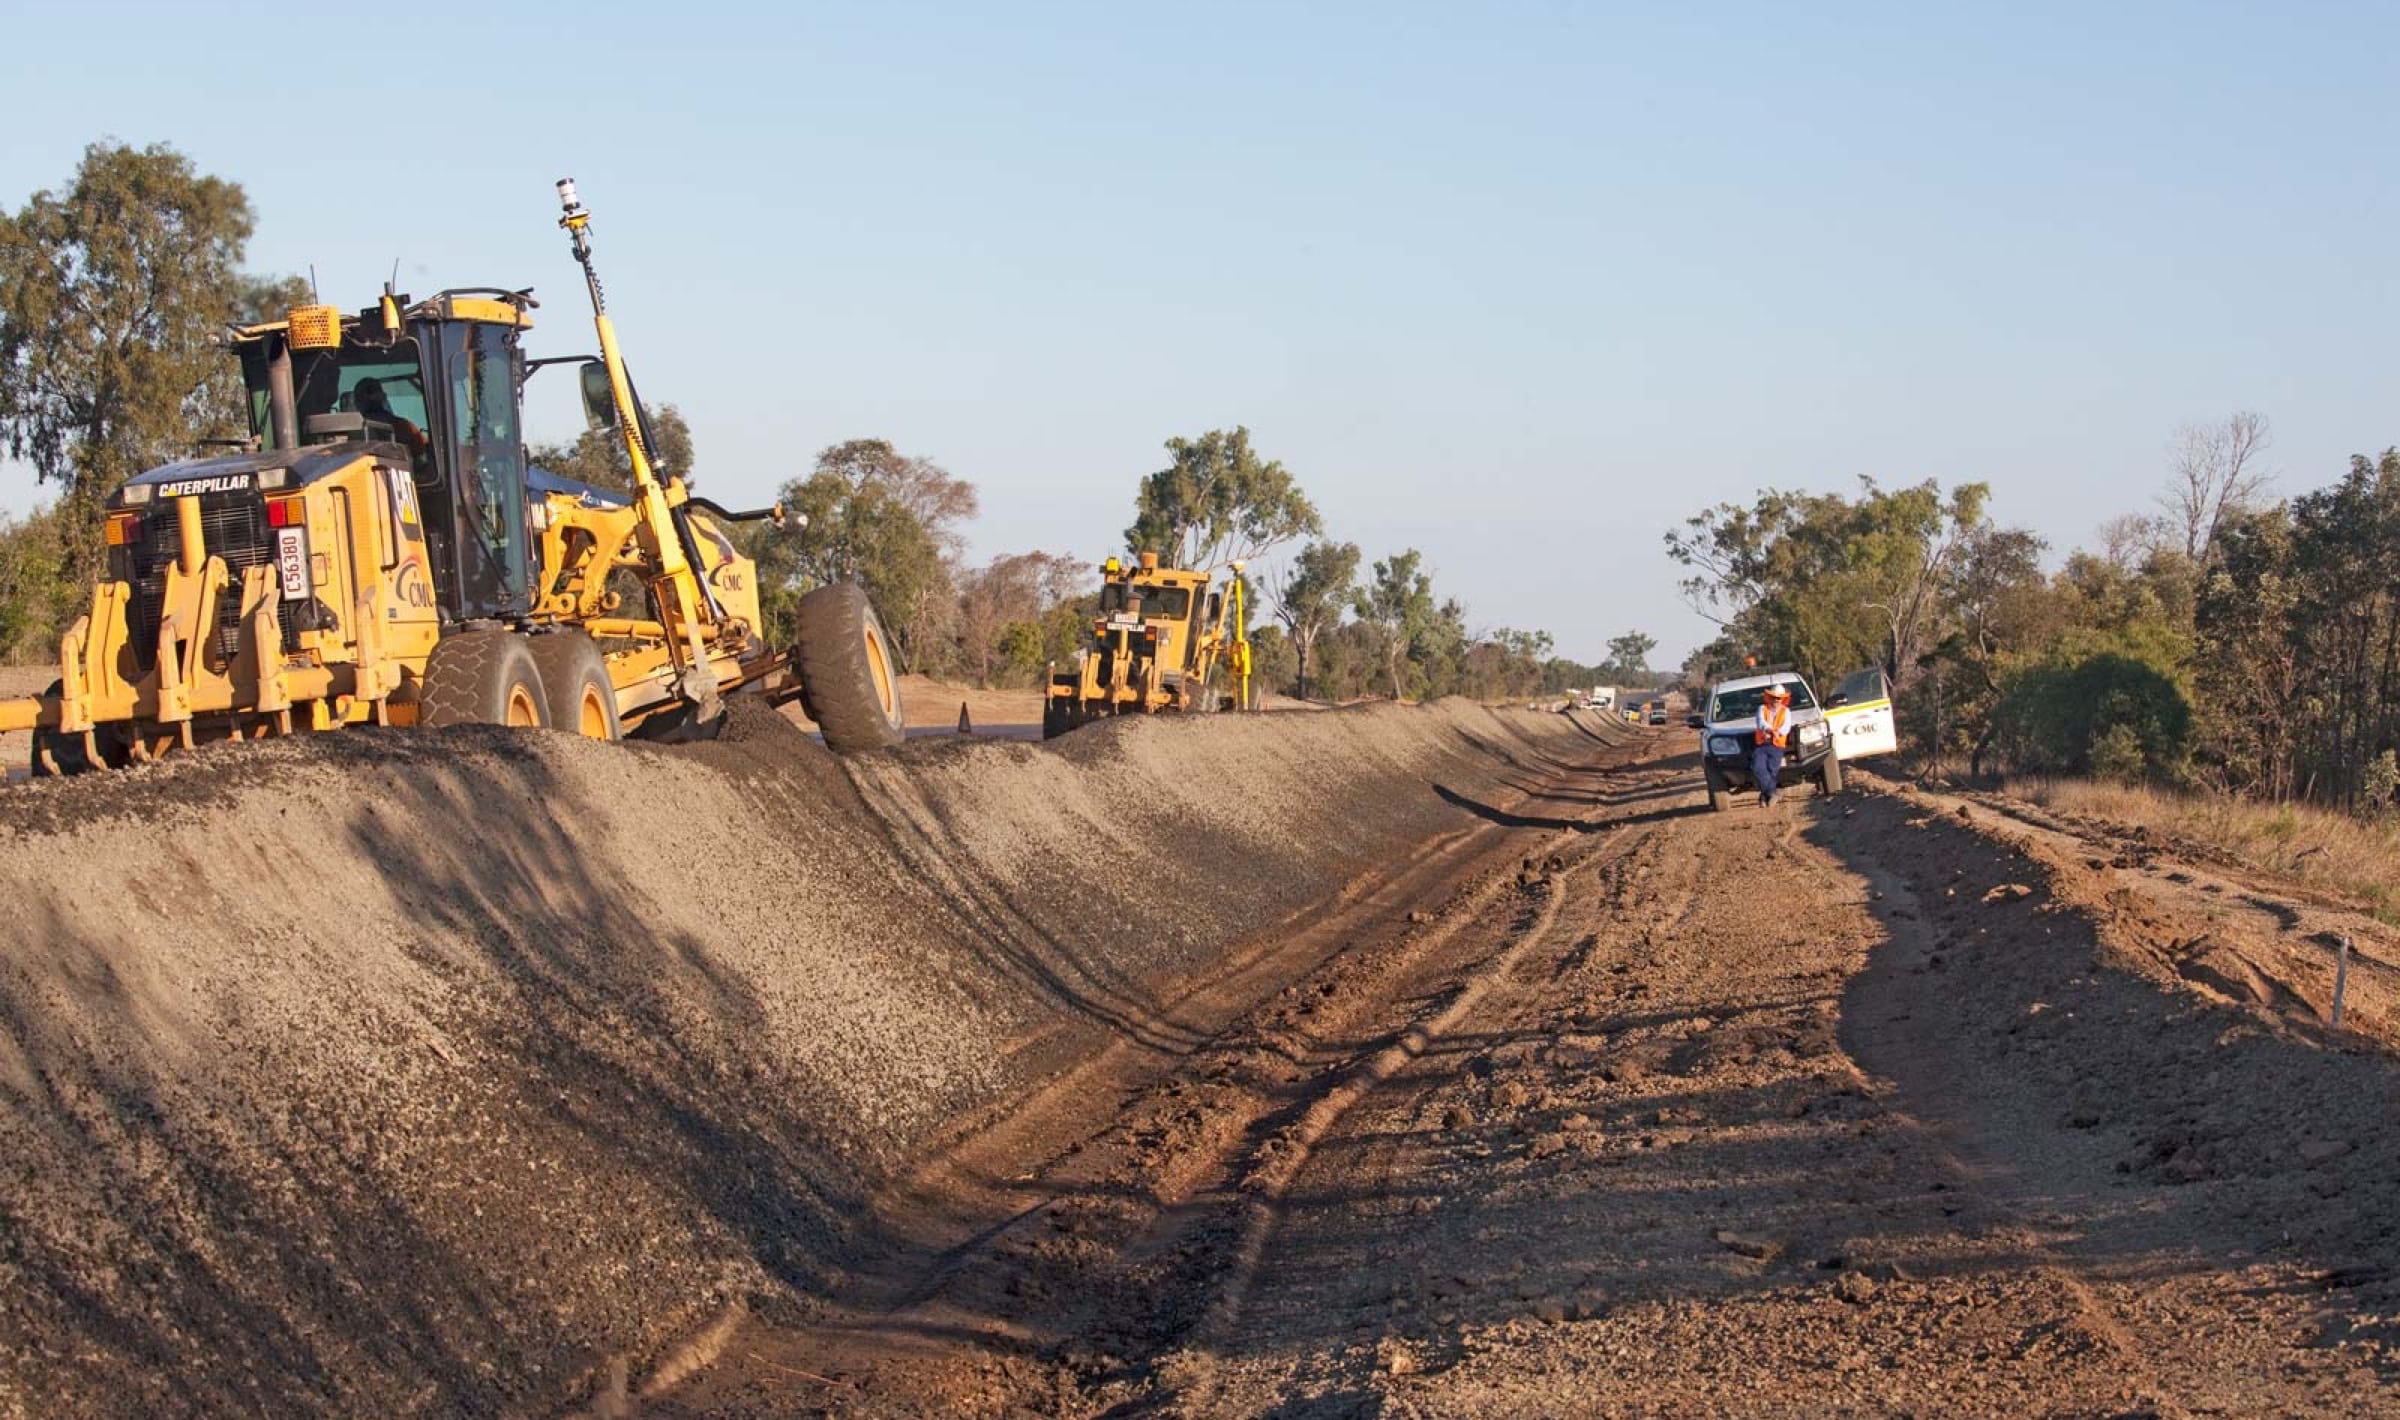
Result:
pixel 1774 727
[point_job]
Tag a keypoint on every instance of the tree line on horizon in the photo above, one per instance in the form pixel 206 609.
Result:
pixel 114 288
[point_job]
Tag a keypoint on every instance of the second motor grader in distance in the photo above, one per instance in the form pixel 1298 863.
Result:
pixel 383 554
pixel 1164 643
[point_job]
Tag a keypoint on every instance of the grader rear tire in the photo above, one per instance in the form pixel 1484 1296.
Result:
pixel 576 693
pixel 483 678
pixel 849 682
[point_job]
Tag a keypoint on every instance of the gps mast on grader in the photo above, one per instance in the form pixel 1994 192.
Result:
pixel 382 554
pixel 1155 648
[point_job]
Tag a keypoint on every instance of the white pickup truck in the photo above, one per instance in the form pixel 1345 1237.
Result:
pixel 1851 724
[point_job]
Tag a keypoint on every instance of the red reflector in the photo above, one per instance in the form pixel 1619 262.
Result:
pixel 282 512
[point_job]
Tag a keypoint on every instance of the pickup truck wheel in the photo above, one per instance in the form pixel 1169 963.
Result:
pixel 1829 779
pixel 1716 788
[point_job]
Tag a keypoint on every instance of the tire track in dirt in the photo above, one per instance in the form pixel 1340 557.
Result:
pixel 1934 1107
pixel 2192 1171
pixel 1681 1193
pixel 1002 1137
pixel 1289 1150
pixel 1274 959
pixel 1187 1376
pixel 1626 913
pixel 1116 1225
pixel 1660 1111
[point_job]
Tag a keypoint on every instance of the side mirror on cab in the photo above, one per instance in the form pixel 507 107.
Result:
pixel 1697 722
pixel 599 397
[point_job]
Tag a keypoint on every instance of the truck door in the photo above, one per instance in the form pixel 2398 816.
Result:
pixel 1860 714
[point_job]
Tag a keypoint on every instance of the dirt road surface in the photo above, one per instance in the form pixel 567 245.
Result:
pixel 1885 1104
pixel 1445 1061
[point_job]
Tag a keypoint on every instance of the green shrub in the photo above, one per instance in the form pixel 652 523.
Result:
pixel 2108 714
pixel 2117 756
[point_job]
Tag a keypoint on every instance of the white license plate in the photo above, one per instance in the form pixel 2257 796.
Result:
pixel 291 562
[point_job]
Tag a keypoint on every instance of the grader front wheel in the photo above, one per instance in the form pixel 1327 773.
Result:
pixel 849 682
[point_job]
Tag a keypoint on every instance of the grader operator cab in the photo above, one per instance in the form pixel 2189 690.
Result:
pixel 381 553
pixel 1163 642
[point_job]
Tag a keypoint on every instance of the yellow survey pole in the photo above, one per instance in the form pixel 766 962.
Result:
pixel 657 514
pixel 1241 644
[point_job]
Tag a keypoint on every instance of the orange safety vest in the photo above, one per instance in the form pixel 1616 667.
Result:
pixel 1774 721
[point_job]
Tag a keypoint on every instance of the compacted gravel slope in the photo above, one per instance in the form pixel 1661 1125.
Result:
pixel 456 1073
pixel 1440 1062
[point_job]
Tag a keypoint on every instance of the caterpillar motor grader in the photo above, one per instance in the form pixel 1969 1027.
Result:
pixel 1161 639
pixel 380 553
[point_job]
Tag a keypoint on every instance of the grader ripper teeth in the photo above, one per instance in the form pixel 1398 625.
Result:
pixel 383 554
pixel 1164 643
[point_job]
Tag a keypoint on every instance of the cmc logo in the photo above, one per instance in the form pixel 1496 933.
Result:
pixel 409 584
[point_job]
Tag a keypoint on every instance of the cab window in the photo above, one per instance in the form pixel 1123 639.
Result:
pixel 479 368
pixel 1742 704
pixel 1860 688
pixel 327 381
pixel 1164 603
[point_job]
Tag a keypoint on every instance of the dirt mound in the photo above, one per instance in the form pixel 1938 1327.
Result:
pixel 433 1072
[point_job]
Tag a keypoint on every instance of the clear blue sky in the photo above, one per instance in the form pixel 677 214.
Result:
pixel 1521 285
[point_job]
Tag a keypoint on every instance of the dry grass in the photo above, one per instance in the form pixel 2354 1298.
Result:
pixel 2306 845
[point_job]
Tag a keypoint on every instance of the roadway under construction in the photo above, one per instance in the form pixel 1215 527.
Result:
pixel 1441 1061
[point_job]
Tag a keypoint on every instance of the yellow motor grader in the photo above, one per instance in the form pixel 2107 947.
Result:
pixel 381 553
pixel 1160 642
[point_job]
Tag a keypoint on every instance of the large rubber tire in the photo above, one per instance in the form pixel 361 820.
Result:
pixel 849 683
pixel 576 694
pixel 1716 788
pixel 1055 721
pixel 483 678
pixel 67 750
pixel 1829 779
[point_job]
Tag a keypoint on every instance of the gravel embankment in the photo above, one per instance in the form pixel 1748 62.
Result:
pixel 429 1073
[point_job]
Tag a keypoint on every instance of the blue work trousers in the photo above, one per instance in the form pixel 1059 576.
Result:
pixel 1766 762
